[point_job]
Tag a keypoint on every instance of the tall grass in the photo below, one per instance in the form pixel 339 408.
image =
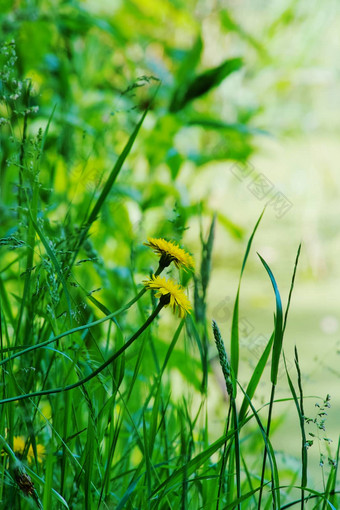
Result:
pixel 89 416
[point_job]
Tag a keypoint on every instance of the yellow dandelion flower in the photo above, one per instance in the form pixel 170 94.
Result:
pixel 177 299
pixel 41 452
pixel 170 252
pixel 19 446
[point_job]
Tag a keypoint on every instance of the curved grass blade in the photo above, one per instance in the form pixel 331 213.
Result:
pixel 110 181
pixel 276 353
pixel 303 433
pixel 177 477
pixel 301 414
pixel 74 330
pixel 234 341
pixel 249 480
pixel 89 462
pixel 291 287
pixel 314 494
pixel 255 378
pixel 41 481
pixel 278 331
pixel 332 488
pixel 239 500
pixel 114 173
pixel 271 455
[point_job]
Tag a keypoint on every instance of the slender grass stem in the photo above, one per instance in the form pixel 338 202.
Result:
pixel 73 330
pixel 237 452
pixel 265 451
pixel 22 146
pixel 224 462
pixel 78 328
pixel 95 372
pixel 302 425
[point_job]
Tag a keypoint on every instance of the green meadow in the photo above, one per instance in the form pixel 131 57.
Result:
pixel 169 255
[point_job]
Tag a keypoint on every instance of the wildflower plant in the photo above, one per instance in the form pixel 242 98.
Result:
pixel 170 252
pixel 170 294
pixel 89 368
pixel 19 445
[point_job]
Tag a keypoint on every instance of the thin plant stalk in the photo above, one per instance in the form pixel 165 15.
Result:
pixel 83 327
pixel 302 423
pixel 279 329
pixel 230 384
pixel 224 462
pixel 99 369
pixel 300 410
pixel 276 354
pixel 265 450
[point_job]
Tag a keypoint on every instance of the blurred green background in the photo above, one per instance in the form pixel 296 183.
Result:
pixel 210 139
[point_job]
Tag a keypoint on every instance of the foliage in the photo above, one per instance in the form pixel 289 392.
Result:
pixel 102 113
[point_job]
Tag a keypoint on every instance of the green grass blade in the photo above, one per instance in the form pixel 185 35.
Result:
pixel 114 173
pixel 269 451
pixel 239 500
pixel 110 181
pixel 249 481
pixel 291 287
pixel 37 479
pixel 333 498
pixel 55 262
pixel 234 341
pixel 189 468
pixel 43 140
pixel 314 494
pixel 255 378
pixel 172 346
pixel 237 451
pixel 148 468
pixel 47 496
pixel 89 461
pixel 122 503
pixel 304 456
pixel 278 332
pixel 33 212
pixel 192 329
pixel 303 434
pixel 71 331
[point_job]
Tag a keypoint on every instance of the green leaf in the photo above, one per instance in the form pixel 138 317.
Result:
pixel 234 341
pixel 278 332
pixel 55 262
pixel 190 61
pixel 203 83
pixel 41 481
pixel 242 498
pixel 240 128
pixel 255 378
pixel 192 465
pixel 235 230
pixel 89 462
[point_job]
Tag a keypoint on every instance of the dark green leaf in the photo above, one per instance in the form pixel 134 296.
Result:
pixel 203 83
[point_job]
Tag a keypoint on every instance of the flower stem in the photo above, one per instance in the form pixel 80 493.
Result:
pixel 80 328
pixel 95 372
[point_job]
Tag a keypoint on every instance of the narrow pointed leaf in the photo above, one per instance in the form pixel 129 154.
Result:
pixel 255 378
pixel 203 83
pixel 278 333
pixel 234 341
